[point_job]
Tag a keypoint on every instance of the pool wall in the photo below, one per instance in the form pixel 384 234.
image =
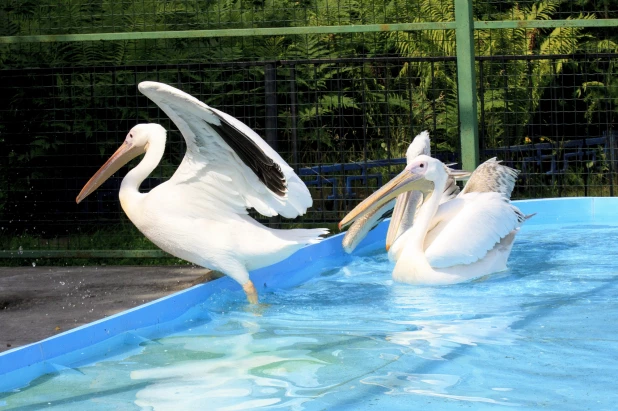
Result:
pixel 114 335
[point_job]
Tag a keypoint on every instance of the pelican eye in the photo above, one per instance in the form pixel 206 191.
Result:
pixel 422 165
pixel 130 135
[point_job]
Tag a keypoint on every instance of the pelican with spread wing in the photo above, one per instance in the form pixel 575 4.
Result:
pixel 466 237
pixel 200 214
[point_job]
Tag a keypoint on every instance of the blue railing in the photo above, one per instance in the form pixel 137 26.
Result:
pixel 331 173
pixel 558 156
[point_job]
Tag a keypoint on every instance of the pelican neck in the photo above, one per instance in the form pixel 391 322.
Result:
pixel 129 188
pixel 412 264
pixel 428 210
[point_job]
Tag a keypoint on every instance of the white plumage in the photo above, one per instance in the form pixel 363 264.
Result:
pixel 451 241
pixel 200 213
pixel 404 207
pixel 492 219
pixel 211 167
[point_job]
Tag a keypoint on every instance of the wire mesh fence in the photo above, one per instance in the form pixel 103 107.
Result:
pixel 533 9
pixel 537 114
pixel 340 108
pixel 48 17
pixel 60 128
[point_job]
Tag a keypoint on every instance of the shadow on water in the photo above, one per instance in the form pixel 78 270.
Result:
pixel 332 292
pixel 75 399
pixel 547 306
pixel 540 309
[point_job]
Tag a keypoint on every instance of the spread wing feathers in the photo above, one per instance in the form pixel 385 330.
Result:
pixel 491 176
pixel 466 236
pixel 226 161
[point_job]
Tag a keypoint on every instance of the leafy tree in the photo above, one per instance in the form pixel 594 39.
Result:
pixel 57 121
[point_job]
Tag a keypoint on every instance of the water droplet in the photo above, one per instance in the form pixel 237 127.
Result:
pixel 20 250
pixel 33 264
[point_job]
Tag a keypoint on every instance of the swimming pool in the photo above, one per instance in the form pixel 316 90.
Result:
pixel 342 335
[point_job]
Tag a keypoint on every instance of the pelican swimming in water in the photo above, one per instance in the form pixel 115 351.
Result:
pixel 200 213
pixel 467 237
pixel 403 208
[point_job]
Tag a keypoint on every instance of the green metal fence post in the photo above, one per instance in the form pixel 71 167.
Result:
pixel 466 84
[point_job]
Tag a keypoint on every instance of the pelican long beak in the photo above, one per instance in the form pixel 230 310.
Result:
pixel 358 231
pixel 125 153
pixel 405 181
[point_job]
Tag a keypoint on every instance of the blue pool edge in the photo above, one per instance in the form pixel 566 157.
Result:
pixel 23 364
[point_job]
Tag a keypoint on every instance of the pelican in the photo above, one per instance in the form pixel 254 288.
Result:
pixel 467 237
pixel 200 214
pixel 403 208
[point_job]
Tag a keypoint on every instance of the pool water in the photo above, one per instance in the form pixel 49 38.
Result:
pixel 543 334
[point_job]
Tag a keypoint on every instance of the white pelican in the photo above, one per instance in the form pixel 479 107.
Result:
pixel 466 237
pixel 404 207
pixel 200 213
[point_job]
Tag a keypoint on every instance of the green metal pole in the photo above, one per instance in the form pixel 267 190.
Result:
pixel 466 85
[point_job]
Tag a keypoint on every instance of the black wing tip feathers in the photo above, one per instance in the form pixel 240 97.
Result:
pixel 264 167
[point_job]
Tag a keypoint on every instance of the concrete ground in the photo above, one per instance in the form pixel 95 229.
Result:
pixel 39 302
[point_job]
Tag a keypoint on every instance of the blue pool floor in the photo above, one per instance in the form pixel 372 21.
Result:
pixel 541 335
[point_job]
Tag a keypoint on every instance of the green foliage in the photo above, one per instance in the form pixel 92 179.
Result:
pixel 344 112
pixel 601 92
pixel 526 81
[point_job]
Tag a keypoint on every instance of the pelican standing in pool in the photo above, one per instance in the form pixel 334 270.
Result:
pixel 467 237
pixel 404 207
pixel 200 213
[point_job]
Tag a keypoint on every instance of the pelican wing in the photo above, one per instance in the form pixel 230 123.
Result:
pixel 226 162
pixel 473 225
pixel 451 190
pixel 492 177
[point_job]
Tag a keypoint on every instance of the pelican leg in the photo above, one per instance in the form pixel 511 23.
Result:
pixel 251 292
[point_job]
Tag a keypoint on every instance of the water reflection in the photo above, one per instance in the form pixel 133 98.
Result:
pixel 350 327
pixel 249 372
pixel 434 385
pixel 352 335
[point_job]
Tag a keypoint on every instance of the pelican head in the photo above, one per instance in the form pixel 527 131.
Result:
pixel 419 175
pixel 136 143
pixel 420 145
